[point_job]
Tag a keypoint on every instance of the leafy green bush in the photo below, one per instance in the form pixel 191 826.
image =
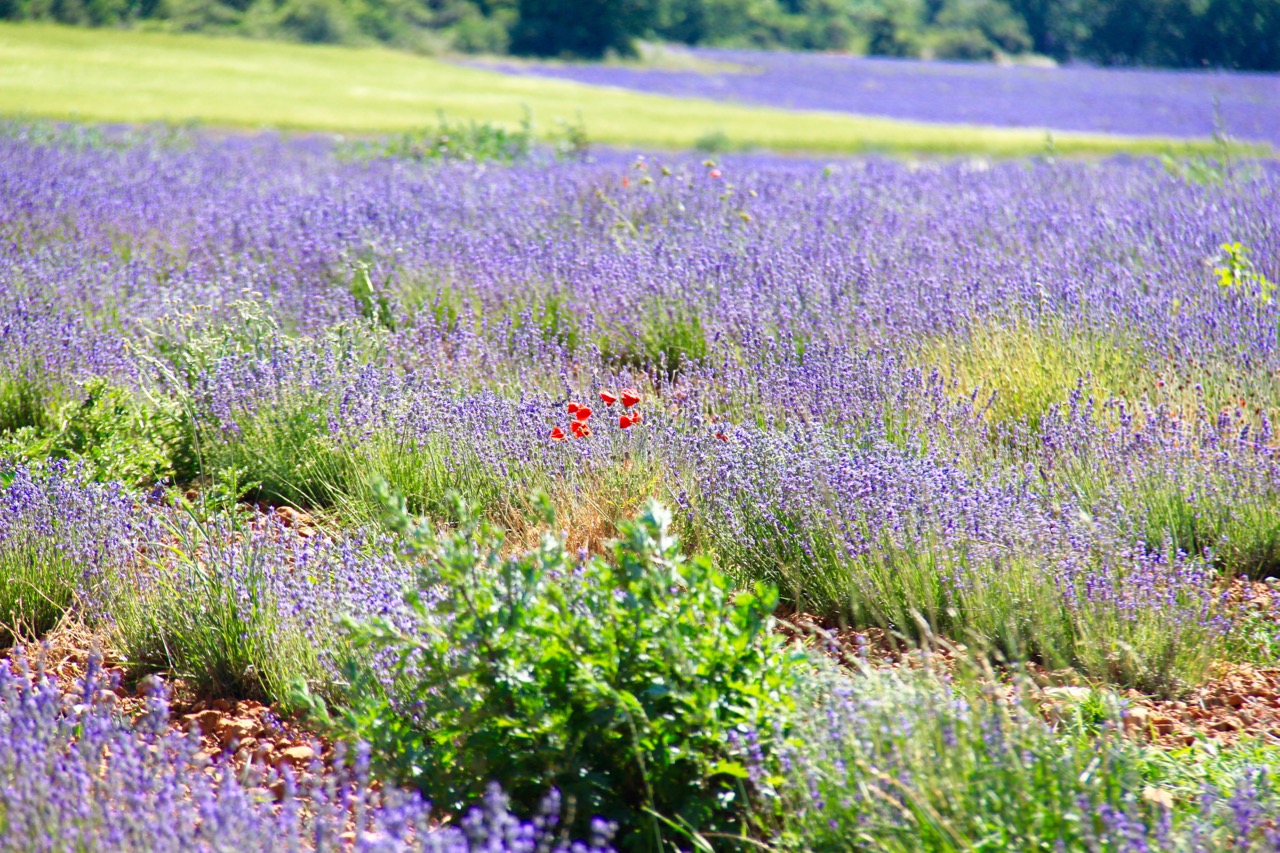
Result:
pixel 109 432
pixel 621 682
pixel 473 142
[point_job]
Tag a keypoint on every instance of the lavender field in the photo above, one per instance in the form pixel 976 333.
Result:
pixel 875 505
pixel 1073 98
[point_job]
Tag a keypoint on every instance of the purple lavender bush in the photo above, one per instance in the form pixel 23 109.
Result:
pixel 246 609
pixel 902 760
pixel 63 542
pixel 78 774
pixel 1021 400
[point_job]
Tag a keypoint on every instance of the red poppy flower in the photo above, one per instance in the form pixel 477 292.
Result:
pixel 579 429
pixel 573 408
pixel 713 174
pixel 636 417
pixel 626 182
pixel 557 434
pixel 582 414
pixel 722 436
pixel 608 398
pixel 624 422
pixel 629 397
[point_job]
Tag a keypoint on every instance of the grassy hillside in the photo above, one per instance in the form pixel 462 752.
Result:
pixel 128 76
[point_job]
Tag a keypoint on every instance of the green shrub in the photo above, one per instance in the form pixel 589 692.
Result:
pixel 472 142
pixel 621 682
pixel 111 433
pixel 27 400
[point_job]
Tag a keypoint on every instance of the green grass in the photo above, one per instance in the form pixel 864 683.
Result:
pixel 1031 366
pixel 209 615
pixel 37 586
pixel 906 760
pixel 131 76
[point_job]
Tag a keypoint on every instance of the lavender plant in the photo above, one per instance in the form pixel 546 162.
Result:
pixel 78 774
pixel 248 608
pixel 900 760
pixel 62 541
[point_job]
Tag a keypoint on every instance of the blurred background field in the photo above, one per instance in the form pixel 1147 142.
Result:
pixel 112 75
pixel 1142 102
pixel 1227 34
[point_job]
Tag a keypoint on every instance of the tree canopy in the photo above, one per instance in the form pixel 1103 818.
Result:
pixel 1243 34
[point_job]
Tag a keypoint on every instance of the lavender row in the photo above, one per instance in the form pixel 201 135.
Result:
pixel 859 251
pixel 78 774
pixel 838 365
pixel 1079 98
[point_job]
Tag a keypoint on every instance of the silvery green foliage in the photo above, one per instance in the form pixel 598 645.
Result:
pixel 619 681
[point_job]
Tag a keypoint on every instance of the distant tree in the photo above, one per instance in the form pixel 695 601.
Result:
pixel 1239 34
pixel 582 28
pixel 991 20
pixel 316 21
pixel 890 27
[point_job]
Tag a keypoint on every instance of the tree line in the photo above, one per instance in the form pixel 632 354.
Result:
pixel 1243 34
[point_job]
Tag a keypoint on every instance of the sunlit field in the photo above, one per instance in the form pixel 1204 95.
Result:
pixel 486 488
